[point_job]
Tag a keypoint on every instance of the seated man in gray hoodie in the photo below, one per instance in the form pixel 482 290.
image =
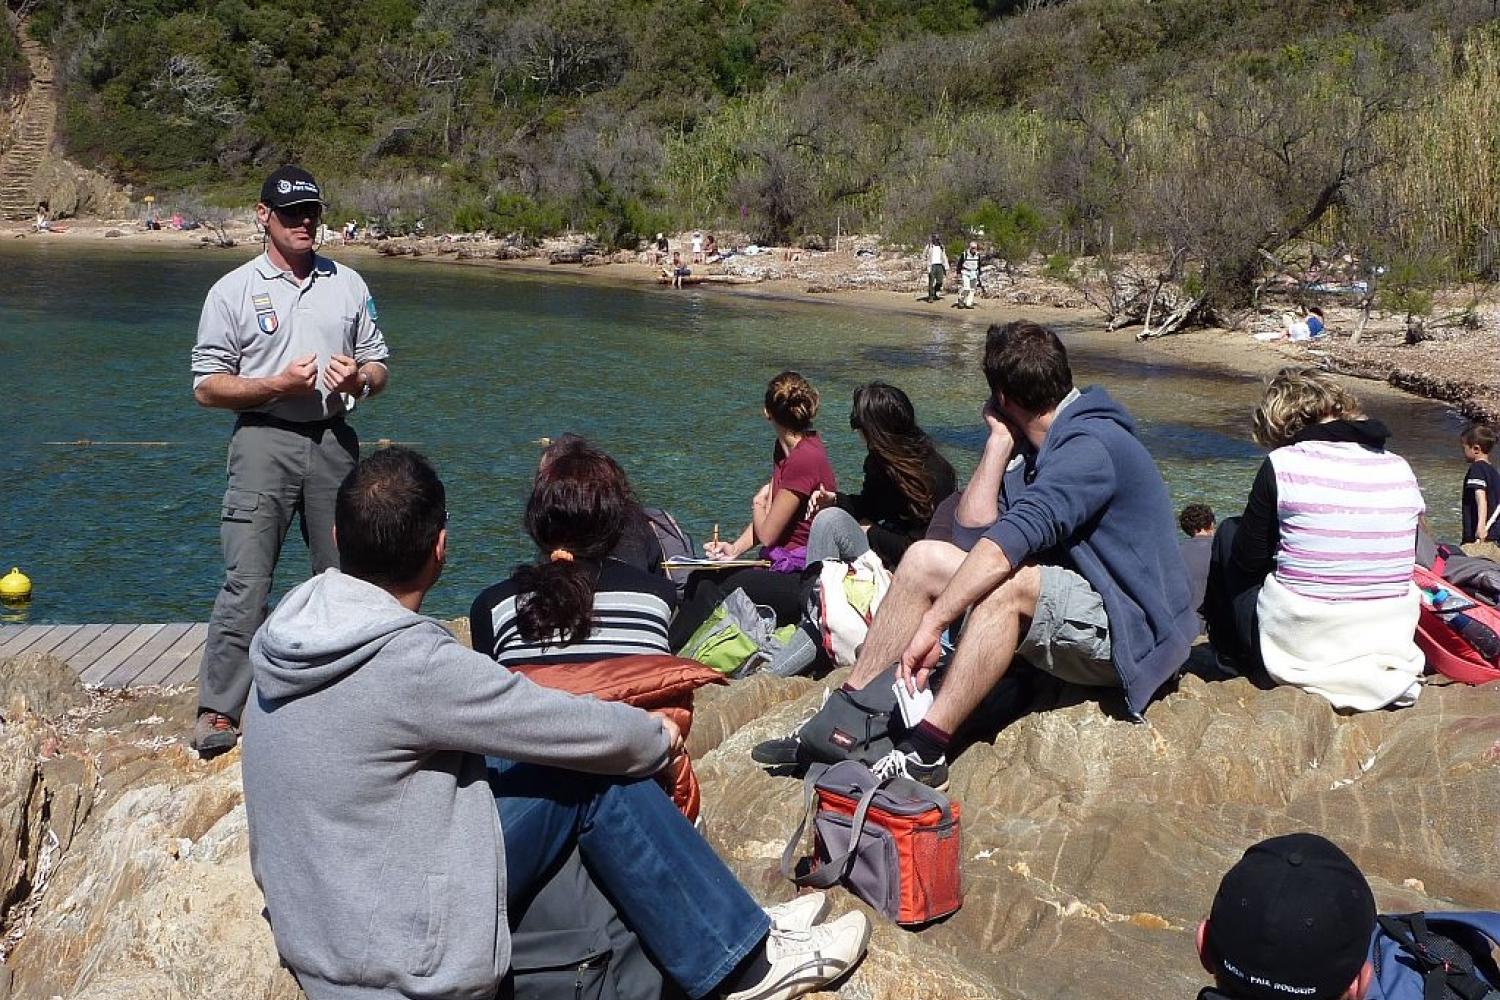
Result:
pixel 402 791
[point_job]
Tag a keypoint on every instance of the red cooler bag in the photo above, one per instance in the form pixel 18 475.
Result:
pixel 893 842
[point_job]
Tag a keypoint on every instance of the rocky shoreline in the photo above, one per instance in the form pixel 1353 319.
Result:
pixel 1091 847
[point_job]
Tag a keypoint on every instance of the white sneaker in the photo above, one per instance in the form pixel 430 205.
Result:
pixel 798 913
pixel 806 961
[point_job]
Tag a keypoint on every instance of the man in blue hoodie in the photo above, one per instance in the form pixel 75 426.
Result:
pixel 389 836
pixel 1081 575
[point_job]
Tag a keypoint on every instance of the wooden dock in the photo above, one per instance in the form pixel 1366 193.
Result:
pixel 117 656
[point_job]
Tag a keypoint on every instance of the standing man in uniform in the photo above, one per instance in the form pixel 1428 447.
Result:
pixel 288 341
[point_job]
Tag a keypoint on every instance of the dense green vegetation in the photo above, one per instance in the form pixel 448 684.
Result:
pixel 13 70
pixel 1212 133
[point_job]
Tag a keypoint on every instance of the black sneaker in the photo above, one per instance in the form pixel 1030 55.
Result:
pixel 780 752
pixel 933 774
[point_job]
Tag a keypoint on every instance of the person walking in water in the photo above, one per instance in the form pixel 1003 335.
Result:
pixel 937 268
pixel 289 342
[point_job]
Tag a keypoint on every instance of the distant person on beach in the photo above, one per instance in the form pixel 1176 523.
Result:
pixel 968 275
pixel 677 271
pixel 1197 523
pixel 710 249
pixel 937 268
pixel 1313 583
pixel 906 479
pixel 350 229
pixel 289 342
pixel 42 223
pixel 1080 575
pixel 697 247
pixel 1481 493
pixel 579 602
pixel 404 795
pixel 1306 325
pixel 661 248
pixel 779 517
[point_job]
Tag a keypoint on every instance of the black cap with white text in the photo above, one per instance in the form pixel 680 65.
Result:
pixel 289 186
pixel 1292 919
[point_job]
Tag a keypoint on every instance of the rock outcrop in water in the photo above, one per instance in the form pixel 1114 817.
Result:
pixel 1092 845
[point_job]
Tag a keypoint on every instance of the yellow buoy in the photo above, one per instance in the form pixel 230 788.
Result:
pixel 15 586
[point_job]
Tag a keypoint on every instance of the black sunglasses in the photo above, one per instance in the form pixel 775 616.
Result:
pixel 299 213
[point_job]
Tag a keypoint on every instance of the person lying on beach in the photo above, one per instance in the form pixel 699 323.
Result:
pixel 779 518
pixel 1080 575
pixel 1306 325
pixel 403 793
pixel 1313 583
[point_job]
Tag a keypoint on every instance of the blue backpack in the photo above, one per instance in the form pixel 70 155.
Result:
pixel 1436 956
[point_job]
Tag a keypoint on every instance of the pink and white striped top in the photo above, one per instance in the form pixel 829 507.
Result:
pixel 1348 519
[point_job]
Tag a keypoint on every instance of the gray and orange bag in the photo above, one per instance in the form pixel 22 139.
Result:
pixel 893 842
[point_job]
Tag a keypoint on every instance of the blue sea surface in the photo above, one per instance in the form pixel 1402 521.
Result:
pixel 94 347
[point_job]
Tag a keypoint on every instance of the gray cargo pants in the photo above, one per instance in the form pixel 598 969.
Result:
pixel 275 474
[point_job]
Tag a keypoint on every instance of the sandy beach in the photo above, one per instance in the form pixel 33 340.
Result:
pixel 1455 367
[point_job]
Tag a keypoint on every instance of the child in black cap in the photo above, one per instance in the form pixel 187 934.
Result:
pixel 1292 920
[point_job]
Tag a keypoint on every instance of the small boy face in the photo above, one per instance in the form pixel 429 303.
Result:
pixel 1472 453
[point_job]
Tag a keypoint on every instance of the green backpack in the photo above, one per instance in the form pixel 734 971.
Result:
pixel 737 636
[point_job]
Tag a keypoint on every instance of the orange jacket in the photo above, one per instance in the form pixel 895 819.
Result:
pixel 657 683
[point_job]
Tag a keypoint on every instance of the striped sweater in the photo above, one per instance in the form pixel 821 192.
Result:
pixel 632 609
pixel 1347 515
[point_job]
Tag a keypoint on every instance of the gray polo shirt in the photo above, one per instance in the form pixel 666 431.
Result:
pixel 257 319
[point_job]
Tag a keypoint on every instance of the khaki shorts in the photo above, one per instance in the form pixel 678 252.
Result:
pixel 1069 634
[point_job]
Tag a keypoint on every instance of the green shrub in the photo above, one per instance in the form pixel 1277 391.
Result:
pixel 1059 267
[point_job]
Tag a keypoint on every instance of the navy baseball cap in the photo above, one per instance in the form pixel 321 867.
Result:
pixel 290 186
pixel 1292 919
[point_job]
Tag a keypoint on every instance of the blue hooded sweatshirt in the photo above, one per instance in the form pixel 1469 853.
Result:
pixel 1096 497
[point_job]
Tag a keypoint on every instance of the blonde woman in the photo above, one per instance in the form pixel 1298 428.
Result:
pixel 1314 581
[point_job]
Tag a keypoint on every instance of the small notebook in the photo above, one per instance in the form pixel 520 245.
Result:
pixel 684 562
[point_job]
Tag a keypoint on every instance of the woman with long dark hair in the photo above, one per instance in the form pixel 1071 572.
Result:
pixel 906 477
pixel 577 603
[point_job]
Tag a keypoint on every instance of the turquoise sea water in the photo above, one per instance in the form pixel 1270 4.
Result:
pixel 94 345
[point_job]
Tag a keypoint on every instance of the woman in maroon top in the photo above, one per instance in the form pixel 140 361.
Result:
pixel 779 519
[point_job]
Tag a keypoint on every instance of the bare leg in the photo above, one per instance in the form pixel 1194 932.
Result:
pixel 925 570
pixel 991 635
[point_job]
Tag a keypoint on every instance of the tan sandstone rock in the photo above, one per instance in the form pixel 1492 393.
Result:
pixel 1092 844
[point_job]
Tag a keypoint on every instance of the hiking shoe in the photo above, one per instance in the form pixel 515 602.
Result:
pixel 780 752
pixel 798 913
pixel 933 774
pixel 213 734
pixel 807 961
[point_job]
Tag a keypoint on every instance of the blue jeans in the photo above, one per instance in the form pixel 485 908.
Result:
pixel 669 886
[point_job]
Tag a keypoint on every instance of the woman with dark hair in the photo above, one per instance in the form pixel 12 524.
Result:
pixel 779 518
pixel 577 603
pixel 906 477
